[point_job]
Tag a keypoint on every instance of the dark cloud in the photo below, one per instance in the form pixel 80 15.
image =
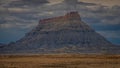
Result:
pixel 105 15
pixel 86 4
pixel 76 2
pixel 21 3
pixel 73 4
pixel 34 2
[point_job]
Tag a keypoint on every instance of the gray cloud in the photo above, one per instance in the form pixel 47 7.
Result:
pixel 87 10
pixel 21 3
pixel 106 15
pixel 87 4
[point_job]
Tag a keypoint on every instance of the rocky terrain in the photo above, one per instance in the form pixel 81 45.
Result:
pixel 63 34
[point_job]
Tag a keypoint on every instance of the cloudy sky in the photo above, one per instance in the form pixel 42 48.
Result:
pixel 18 17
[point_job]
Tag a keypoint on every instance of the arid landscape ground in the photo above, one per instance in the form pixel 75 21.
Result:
pixel 60 61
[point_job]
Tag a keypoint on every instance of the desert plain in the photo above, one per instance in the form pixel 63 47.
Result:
pixel 60 61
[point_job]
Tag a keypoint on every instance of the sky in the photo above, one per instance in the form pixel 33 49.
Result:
pixel 17 17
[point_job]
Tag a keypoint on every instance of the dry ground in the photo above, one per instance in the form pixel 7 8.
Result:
pixel 60 61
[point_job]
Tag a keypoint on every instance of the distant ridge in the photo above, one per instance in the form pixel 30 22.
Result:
pixel 63 34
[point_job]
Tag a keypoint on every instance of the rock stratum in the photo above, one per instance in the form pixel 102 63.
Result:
pixel 63 34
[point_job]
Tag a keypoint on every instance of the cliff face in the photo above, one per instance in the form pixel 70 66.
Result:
pixel 68 16
pixel 71 21
pixel 63 34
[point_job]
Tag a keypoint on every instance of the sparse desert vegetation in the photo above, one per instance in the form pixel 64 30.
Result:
pixel 60 61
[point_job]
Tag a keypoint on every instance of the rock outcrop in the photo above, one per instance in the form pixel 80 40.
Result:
pixel 63 34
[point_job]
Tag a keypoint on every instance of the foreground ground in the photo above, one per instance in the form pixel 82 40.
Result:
pixel 60 61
